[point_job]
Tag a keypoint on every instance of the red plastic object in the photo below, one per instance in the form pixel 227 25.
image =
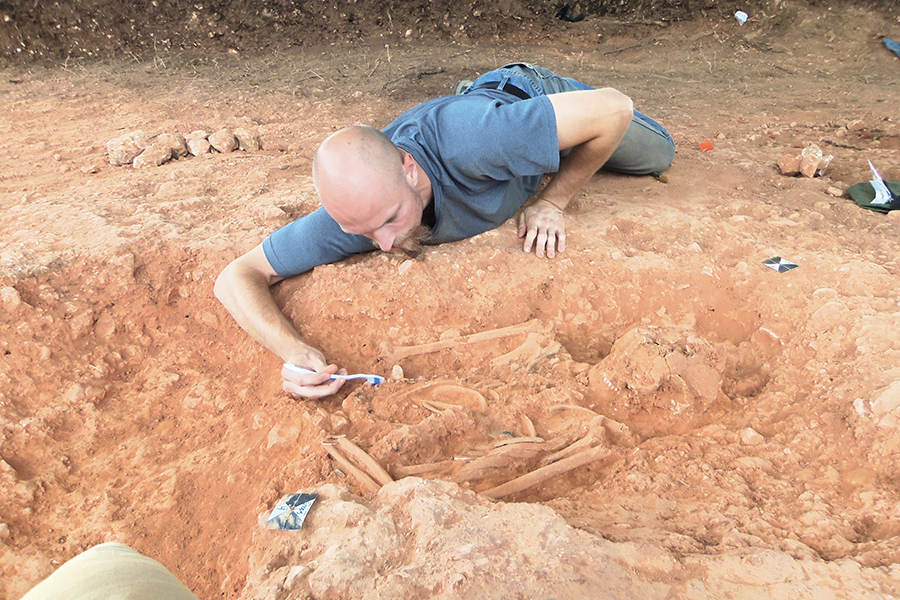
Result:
pixel 706 145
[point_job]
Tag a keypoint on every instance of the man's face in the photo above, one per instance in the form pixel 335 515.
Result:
pixel 391 218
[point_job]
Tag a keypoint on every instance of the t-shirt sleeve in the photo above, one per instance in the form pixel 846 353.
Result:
pixel 313 240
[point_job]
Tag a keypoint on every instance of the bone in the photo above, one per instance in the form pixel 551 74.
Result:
pixel 401 471
pixel 406 351
pixel 544 473
pixel 365 462
pixel 368 484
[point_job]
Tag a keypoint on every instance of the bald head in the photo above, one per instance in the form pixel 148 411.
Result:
pixel 355 170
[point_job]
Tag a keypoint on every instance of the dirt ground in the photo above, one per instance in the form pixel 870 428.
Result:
pixel 744 421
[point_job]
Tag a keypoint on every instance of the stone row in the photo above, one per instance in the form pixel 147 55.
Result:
pixel 140 150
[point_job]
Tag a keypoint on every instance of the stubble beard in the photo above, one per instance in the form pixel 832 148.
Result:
pixel 410 244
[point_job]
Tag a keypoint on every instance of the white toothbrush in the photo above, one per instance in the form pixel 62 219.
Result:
pixel 370 379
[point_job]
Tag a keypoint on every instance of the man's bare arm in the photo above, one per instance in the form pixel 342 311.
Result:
pixel 591 123
pixel 243 288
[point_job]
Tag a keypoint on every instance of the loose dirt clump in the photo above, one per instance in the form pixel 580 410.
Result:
pixel 653 413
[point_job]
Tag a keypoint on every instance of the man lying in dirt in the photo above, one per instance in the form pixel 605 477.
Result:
pixel 448 169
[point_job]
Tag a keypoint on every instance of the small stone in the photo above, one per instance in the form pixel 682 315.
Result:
pixel 834 191
pixel 856 125
pixel 176 142
pixel 789 164
pixel 247 140
pixel 10 298
pixel 223 141
pixel 123 149
pixel 397 373
pixel 721 136
pixel 296 575
pixel 273 213
pixel 752 437
pixel 809 165
pixel 155 155
pixel 105 326
pixel 90 169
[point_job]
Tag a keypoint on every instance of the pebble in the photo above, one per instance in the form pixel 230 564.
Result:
pixel 105 326
pixel 752 437
pixel 836 192
pixel 397 373
pixel 223 141
pixel 273 213
pixel 123 149
pixel 10 298
pixel 857 125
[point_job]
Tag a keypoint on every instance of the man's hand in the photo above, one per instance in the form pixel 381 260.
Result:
pixel 542 225
pixel 315 385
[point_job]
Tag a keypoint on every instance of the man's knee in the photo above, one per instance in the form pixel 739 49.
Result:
pixel 647 148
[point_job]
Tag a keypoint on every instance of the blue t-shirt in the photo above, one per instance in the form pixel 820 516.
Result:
pixel 484 152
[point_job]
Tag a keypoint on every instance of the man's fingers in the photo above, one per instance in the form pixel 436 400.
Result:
pixel 551 246
pixel 313 391
pixel 311 385
pixel 541 243
pixel 529 238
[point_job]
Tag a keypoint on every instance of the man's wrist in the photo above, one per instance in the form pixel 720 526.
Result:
pixel 556 205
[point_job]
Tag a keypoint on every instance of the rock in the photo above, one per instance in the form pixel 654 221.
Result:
pixel 124 149
pixel 809 165
pixel 223 141
pixel 273 213
pixel 156 154
pixel 175 142
pixel 247 140
pixel 397 373
pixel 857 125
pixel 197 142
pixel 752 437
pixel 105 326
pixel 834 191
pixel 789 164
pixel 10 298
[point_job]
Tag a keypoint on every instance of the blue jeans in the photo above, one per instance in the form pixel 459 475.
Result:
pixel 647 147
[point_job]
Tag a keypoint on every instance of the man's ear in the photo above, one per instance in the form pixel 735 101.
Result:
pixel 410 169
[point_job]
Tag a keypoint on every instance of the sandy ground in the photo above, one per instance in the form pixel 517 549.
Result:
pixel 744 421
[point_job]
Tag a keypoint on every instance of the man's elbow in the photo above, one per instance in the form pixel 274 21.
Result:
pixel 224 282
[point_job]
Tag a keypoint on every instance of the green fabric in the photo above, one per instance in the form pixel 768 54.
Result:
pixel 864 193
pixel 111 571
